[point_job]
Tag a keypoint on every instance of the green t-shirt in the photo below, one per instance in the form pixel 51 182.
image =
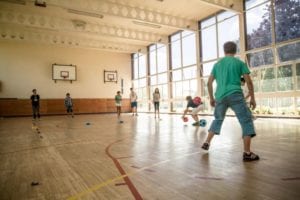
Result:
pixel 228 72
pixel 118 98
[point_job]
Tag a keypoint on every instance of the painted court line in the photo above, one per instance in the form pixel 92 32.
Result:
pixel 109 181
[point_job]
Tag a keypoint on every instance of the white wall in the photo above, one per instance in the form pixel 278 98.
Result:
pixel 24 66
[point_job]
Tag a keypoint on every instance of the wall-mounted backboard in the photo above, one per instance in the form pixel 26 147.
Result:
pixel 64 72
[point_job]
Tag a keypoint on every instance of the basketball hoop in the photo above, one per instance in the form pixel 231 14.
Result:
pixel 64 74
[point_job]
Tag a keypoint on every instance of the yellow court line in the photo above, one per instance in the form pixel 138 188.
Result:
pixel 109 181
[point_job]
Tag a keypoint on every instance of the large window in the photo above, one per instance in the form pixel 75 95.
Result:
pixel 158 74
pixel 184 68
pixel 287 19
pixel 273 54
pixel 140 79
pixel 214 32
pixel 271 50
pixel 258 24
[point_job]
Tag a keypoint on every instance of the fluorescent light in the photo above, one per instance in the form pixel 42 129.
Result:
pixel 146 24
pixel 79 12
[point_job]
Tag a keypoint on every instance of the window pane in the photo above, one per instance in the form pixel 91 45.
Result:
pixel 135 68
pixel 177 89
pixel 162 58
pixel 164 91
pixel 142 82
pixel 208 22
pixel 162 78
pixel 298 106
pixel 258 21
pixel 209 43
pixel 228 30
pixel 289 52
pixel 207 67
pixel 186 88
pixel 177 75
pixel 298 76
pixel 190 72
pixel 142 66
pixel 204 86
pixel 267 106
pixel 284 78
pixel 287 19
pixel 135 83
pixel 224 15
pixel 252 3
pixel 255 79
pixel 175 54
pixel 193 87
pixel 179 106
pixel 264 57
pixel 268 82
pixel 175 37
pixel 153 80
pixel 285 105
pixel 188 48
pixel 152 62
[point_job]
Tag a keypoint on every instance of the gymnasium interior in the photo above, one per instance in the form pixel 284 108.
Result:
pixel 92 49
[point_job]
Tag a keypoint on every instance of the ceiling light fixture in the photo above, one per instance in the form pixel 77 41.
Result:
pixel 79 12
pixel 146 24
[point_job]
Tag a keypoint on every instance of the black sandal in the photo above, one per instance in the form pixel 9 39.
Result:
pixel 250 157
pixel 205 146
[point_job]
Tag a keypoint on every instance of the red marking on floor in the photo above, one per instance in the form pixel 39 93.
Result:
pixel 119 184
pixel 209 178
pixel 291 179
pixel 127 180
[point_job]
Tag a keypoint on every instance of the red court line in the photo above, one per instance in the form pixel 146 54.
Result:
pixel 127 180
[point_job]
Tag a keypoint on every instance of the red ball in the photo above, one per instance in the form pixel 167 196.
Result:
pixel 185 119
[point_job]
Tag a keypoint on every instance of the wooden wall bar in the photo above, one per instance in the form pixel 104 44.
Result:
pixel 22 107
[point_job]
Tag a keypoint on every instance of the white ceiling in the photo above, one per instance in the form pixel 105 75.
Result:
pixel 113 25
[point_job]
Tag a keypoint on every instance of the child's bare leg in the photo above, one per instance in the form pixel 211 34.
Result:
pixel 209 137
pixel 247 144
pixel 195 117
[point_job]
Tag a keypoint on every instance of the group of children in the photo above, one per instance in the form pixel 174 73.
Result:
pixel 229 94
pixel 35 102
pixel 133 103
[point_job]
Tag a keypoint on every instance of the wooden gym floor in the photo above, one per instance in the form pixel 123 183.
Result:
pixel 94 157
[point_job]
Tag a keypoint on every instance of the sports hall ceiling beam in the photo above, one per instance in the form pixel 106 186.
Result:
pixel 127 12
pixel 230 5
pixel 52 23
pixel 46 37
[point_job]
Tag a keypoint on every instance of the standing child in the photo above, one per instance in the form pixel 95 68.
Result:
pixel 118 101
pixel 227 72
pixel 133 102
pixel 156 99
pixel 35 102
pixel 196 108
pixel 69 104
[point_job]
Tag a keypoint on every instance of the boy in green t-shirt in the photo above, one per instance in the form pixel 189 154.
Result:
pixel 118 101
pixel 227 72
